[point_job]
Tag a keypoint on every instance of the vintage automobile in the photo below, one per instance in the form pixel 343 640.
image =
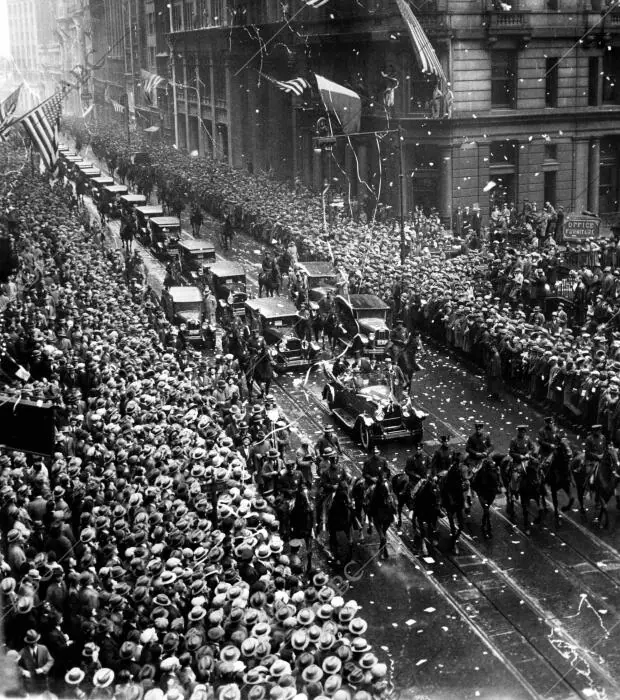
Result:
pixel 184 307
pixel 363 317
pixel 228 282
pixel 321 277
pixel 88 170
pixel 165 236
pixel 130 201
pixel 144 214
pixel 97 183
pixel 111 194
pixel 194 255
pixel 366 405
pixel 277 320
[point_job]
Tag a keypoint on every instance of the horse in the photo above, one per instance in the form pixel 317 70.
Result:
pixel 558 476
pixel 339 516
pixel 381 511
pixel 226 233
pixel 269 282
pixel 523 481
pixel 486 483
pixel 582 471
pixel 422 500
pixel 453 486
pixel 603 483
pixel 302 519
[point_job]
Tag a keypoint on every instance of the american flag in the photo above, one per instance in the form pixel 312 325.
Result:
pixel 42 126
pixel 118 107
pixel 424 51
pixel 315 3
pixel 7 110
pixel 151 81
pixel 295 86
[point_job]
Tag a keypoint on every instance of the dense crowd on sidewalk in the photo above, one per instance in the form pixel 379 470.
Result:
pixel 492 297
pixel 119 577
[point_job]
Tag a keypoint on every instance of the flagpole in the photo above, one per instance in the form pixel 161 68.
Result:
pixel 174 81
pixel 401 179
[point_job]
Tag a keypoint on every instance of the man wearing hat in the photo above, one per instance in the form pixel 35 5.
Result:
pixel 35 663
pixel 547 438
pixel 417 465
pixel 478 447
pixel 305 456
pixel 375 466
pixel 521 447
pixel 330 475
pixel 442 457
pixel 596 444
pixel 328 439
pixel 393 377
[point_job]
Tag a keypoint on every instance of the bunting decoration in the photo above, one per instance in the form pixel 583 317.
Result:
pixel 315 3
pixel 344 103
pixel 118 107
pixel 151 81
pixel 7 110
pixel 295 86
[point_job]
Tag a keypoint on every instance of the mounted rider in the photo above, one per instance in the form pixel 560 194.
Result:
pixel 442 457
pixel 374 466
pixel 548 438
pixel 521 447
pixel 596 444
pixel 478 447
pixel 418 465
pixel 328 439
pixel 330 475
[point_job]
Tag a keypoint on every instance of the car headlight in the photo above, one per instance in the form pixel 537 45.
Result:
pixel 379 414
pixel 282 346
pixel 183 326
pixel 371 336
pixel 205 326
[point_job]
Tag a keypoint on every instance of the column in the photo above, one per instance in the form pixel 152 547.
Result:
pixel 350 169
pixel 317 170
pixel 188 143
pixel 306 158
pixel 295 141
pixel 233 123
pixel 362 162
pixel 212 97
pixel 594 174
pixel 445 183
pixel 580 165
pixel 201 145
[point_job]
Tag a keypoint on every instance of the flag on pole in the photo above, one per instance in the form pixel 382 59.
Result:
pixel 295 86
pixel 118 107
pixel 151 81
pixel 42 126
pixel 344 103
pixel 423 49
pixel 7 110
pixel 315 3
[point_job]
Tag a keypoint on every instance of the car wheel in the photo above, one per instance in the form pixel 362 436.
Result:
pixel 365 436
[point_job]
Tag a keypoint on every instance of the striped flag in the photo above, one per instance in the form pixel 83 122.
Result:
pixel 315 3
pixel 151 81
pixel 7 110
pixel 118 107
pixel 42 126
pixel 295 86
pixel 423 49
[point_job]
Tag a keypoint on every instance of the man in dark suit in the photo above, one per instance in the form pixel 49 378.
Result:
pixel 35 663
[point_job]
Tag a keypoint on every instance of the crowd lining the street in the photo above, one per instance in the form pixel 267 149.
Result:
pixel 119 576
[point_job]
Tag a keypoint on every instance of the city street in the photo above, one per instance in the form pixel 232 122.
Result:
pixel 512 617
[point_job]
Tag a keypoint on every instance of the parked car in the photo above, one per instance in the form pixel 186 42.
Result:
pixel 229 284
pixel 111 194
pixel 363 317
pixel 366 406
pixel 194 255
pixel 144 214
pixel 184 308
pixel 321 278
pixel 165 236
pixel 277 320
pixel 97 183
pixel 130 201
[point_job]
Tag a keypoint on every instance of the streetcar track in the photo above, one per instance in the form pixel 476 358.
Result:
pixel 402 545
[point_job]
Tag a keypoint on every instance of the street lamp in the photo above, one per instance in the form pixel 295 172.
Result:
pixel 324 142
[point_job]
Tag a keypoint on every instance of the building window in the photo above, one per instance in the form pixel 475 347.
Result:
pixel 551 151
pixel 152 58
pixel 594 73
pixel 551 82
pixel 553 5
pixel 550 193
pixel 611 74
pixel 503 79
pixel 150 23
pixel 503 153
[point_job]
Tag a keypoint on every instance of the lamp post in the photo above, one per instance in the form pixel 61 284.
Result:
pixel 174 79
pixel 326 143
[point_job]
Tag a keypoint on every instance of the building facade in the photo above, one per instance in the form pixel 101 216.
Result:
pixel 534 116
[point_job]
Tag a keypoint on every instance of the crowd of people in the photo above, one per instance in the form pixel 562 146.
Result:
pixel 489 302
pixel 145 558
